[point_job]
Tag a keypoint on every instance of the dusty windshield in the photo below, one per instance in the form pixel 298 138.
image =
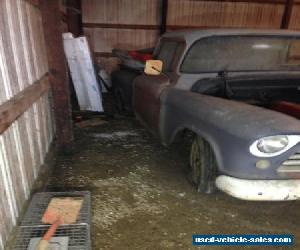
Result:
pixel 243 53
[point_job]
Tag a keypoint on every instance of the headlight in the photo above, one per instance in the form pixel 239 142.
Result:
pixel 273 145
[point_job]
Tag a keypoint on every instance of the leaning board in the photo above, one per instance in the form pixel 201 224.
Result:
pixel 83 73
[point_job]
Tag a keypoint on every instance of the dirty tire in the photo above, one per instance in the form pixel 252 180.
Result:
pixel 203 166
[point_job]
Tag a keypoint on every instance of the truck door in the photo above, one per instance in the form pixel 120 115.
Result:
pixel 147 89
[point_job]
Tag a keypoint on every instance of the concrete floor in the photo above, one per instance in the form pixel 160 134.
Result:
pixel 141 199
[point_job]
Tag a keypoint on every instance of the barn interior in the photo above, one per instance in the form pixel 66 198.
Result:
pixel 139 196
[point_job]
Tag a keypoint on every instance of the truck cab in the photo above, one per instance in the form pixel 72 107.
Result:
pixel 225 86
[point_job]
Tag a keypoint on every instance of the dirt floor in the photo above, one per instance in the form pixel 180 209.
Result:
pixel 142 200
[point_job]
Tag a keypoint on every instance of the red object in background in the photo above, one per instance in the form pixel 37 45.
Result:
pixel 289 108
pixel 139 56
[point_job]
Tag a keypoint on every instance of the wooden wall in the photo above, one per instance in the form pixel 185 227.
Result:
pixel 122 24
pixel 295 16
pixel 23 85
pixel 136 24
pixel 211 14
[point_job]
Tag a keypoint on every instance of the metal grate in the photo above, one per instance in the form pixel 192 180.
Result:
pixel 32 226
pixel 79 236
pixel 40 201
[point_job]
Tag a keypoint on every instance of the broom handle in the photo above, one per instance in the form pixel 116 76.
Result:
pixel 44 242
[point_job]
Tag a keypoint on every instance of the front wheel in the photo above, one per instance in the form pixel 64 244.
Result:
pixel 203 166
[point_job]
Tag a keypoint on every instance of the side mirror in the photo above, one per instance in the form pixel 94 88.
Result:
pixel 153 67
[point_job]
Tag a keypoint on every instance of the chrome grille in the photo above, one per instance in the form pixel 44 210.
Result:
pixel 293 160
pixel 291 165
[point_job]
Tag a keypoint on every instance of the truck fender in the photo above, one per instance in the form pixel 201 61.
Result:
pixel 229 126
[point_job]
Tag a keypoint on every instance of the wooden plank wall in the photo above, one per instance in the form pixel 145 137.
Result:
pixel 216 14
pixel 24 145
pixel 295 16
pixel 123 24
pixel 135 24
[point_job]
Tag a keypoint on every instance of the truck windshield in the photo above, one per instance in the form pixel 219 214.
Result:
pixel 243 53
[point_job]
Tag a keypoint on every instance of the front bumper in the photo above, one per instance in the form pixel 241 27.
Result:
pixel 259 190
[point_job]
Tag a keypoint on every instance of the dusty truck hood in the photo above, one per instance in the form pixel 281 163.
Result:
pixel 253 122
pixel 230 127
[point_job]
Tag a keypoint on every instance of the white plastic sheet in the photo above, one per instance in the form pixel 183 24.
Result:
pixel 83 73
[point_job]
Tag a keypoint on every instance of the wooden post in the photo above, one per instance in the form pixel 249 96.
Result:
pixel 287 14
pixel 74 17
pixel 58 73
pixel 164 16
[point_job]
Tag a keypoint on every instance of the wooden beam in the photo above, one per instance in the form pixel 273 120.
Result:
pixel 247 1
pixel 74 17
pixel 58 78
pixel 164 16
pixel 34 2
pixel 63 17
pixel 121 26
pixel 15 107
pixel 286 18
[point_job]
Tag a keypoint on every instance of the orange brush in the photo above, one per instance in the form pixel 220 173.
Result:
pixel 61 210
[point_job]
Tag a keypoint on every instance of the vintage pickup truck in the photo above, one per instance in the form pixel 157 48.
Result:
pixel 237 91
